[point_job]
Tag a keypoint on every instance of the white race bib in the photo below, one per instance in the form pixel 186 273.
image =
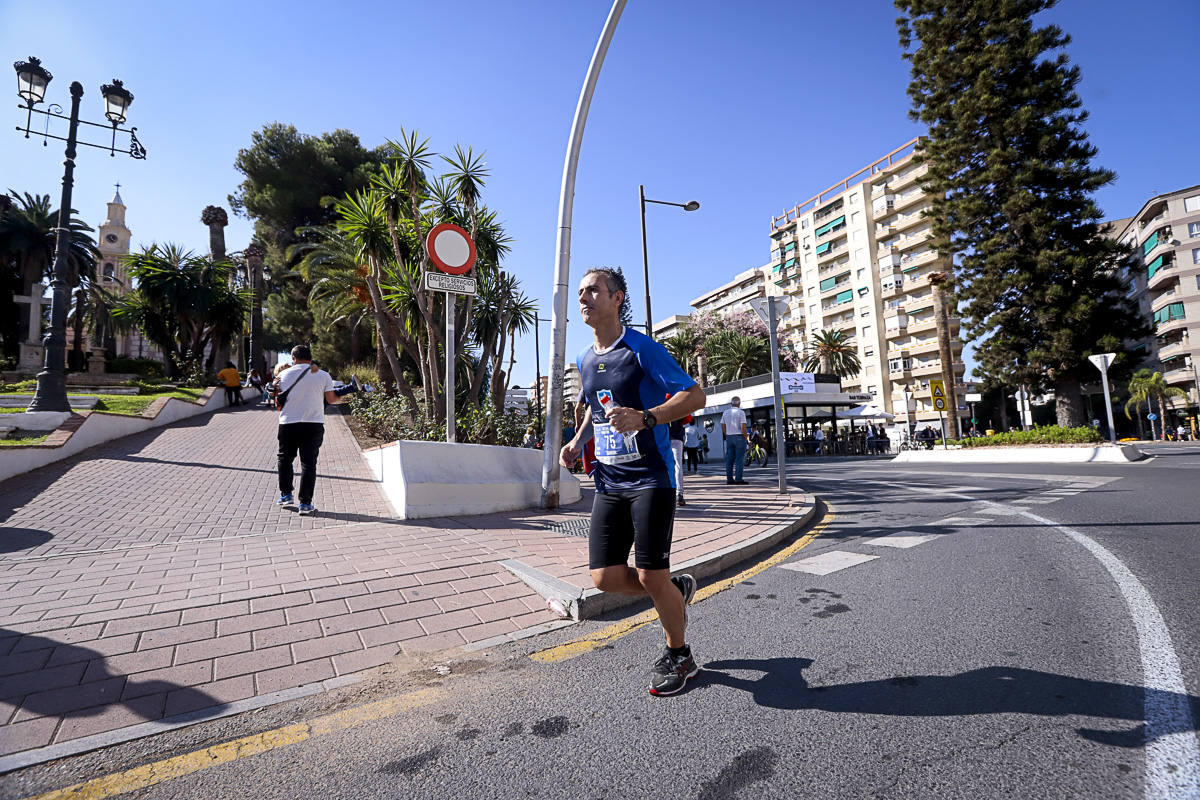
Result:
pixel 613 447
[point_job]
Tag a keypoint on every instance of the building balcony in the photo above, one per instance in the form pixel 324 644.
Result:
pixel 905 179
pixel 905 221
pixel 1170 325
pixel 891 289
pixel 1163 272
pixel 836 248
pixel 887 260
pixel 925 347
pixel 1162 299
pixel 909 199
pixel 913 239
pixel 1173 349
pixel 1182 374
pixel 883 206
pixel 828 211
pixel 899 373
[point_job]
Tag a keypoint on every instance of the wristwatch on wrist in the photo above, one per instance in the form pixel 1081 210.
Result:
pixel 649 420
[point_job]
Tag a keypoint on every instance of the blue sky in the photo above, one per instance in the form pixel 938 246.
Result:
pixel 748 108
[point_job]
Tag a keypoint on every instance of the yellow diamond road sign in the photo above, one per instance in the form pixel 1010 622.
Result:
pixel 939 394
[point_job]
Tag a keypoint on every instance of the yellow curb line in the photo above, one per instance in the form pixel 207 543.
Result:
pixel 597 639
pixel 179 766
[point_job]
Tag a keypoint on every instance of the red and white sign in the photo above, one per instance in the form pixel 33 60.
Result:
pixel 450 249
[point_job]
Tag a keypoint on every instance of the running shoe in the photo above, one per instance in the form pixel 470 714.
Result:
pixel 679 501
pixel 686 584
pixel 285 500
pixel 671 672
pixel 306 509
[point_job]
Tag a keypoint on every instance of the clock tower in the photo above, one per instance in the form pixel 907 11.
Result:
pixel 114 246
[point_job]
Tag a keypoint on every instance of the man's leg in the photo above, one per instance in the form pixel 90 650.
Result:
pixel 310 446
pixel 739 457
pixel 667 601
pixel 730 456
pixel 677 449
pixel 289 443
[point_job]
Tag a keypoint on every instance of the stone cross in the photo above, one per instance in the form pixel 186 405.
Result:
pixel 35 301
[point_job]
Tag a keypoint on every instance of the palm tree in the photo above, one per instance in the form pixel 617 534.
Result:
pixel 1147 386
pixel 182 302
pixel 734 357
pixel 684 347
pixel 831 353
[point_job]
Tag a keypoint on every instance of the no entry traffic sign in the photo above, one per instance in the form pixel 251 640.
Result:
pixel 450 248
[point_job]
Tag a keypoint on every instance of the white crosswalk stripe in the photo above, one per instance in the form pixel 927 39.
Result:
pixel 829 562
pixel 902 539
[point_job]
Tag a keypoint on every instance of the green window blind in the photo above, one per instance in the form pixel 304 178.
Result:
pixel 822 249
pixel 828 284
pixel 789 246
pixel 828 226
pixel 1168 313
pixel 1154 266
pixel 789 263
pixel 1150 244
pixel 910 269
pixel 844 297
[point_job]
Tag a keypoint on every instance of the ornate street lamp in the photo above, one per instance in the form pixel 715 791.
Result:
pixel 32 79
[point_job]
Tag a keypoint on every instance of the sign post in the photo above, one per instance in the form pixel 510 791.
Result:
pixel 1101 361
pixel 769 309
pixel 451 250
pixel 938 389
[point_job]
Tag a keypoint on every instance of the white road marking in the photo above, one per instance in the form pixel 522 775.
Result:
pixel 1064 492
pixel 1172 745
pixel 1172 748
pixel 959 522
pixel 829 562
pixel 902 539
pixel 1038 501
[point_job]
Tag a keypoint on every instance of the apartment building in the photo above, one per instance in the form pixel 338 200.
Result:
pixel 1165 235
pixel 857 258
pixel 734 296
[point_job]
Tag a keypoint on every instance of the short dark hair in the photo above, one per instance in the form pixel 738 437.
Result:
pixel 616 283
pixel 301 353
pixel 229 364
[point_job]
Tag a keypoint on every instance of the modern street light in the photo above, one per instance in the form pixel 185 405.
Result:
pixel 691 205
pixel 32 80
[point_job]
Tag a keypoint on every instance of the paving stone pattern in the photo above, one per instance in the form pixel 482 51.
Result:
pixel 154 575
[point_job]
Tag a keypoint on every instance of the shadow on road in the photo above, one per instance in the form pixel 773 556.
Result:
pixel 988 690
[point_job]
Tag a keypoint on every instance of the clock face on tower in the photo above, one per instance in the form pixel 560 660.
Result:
pixel 111 238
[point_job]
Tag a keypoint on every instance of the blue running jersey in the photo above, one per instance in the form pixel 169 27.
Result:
pixel 636 372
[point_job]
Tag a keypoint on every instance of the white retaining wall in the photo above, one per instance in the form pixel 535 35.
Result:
pixel 439 479
pixel 98 428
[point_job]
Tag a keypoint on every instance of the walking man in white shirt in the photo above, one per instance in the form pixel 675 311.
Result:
pixel 302 425
pixel 733 426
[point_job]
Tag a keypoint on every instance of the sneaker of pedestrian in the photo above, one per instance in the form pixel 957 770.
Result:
pixel 729 481
pixel 679 501
pixel 285 500
pixel 740 483
pixel 671 672
pixel 686 584
pixel 306 508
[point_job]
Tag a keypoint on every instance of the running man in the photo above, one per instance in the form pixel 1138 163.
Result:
pixel 625 375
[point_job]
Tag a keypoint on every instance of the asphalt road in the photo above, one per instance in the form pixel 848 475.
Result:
pixel 984 632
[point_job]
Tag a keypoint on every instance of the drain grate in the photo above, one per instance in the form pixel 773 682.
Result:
pixel 572 527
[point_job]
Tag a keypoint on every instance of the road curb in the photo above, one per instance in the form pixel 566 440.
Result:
pixel 1104 454
pixel 583 604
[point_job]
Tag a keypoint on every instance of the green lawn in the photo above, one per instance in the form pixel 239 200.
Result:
pixel 24 439
pixel 129 404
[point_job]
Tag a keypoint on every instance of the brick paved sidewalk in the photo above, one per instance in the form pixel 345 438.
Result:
pixel 153 576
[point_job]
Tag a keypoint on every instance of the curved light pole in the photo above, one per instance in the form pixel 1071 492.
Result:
pixel 562 264
pixel 690 205
pixel 32 79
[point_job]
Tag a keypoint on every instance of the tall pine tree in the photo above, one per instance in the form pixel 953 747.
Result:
pixel 1011 173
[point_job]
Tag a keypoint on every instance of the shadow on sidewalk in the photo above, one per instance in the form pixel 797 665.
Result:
pixel 14 540
pixel 74 683
pixel 988 690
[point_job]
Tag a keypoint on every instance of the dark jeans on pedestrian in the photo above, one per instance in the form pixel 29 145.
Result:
pixel 233 395
pixel 735 456
pixel 692 456
pixel 304 438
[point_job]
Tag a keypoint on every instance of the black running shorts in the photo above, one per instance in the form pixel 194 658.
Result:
pixel 642 520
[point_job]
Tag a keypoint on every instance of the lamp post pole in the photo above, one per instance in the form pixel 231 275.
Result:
pixel 51 392
pixel 32 80
pixel 691 205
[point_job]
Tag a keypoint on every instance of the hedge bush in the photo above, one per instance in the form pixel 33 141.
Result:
pixel 144 367
pixel 390 417
pixel 1044 434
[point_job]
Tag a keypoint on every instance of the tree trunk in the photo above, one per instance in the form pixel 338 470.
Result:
pixel 941 313
pixel 1162 419
pixel 1068 394
pixel 355 345
pixel 1003 410
pixel 388 344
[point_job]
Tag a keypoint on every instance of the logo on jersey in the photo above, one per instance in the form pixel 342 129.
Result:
pixel 604 396
pixel 600 367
